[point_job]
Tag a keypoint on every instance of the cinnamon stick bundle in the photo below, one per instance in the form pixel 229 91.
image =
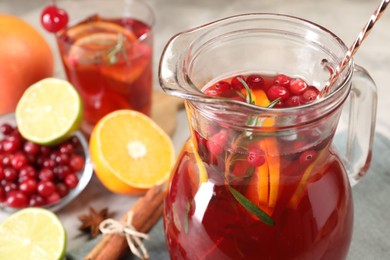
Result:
pixel 146 212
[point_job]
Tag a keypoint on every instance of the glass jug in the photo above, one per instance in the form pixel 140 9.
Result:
pixel 217 206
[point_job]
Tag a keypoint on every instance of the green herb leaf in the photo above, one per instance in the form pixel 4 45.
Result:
pixel 273 103
pixel 119 48
pixel 188 206
pixel 249 97
pixel 251 207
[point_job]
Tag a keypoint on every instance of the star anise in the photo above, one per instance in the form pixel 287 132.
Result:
pixel 90 222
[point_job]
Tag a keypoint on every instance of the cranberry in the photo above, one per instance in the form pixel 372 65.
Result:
pixel 49 163
pixel 66 148
pixel 2 177
pixel 17 199
pixel 222 87
pixel 12 143
pixel 53 198
pixel 53 19
pixel 28 186
pixel 3 195
pixel 293 101
pixel 255 157
pixel 6 129
pixel 46 174
pixel 36 201
pixel 62 189
pixel 31 148
pixel 76 162
pixel 309 95
pixel 46 188
pixel 277 91
pixel 297 86
pixel 62 158
pixel 45 150
pixel 236 84
pixel 10 174
pixel 10 186
pixel 19 161
pixel 61 171
pixel 282 80
pixel 71 180
pixel 27 172
pixel 217 141
pixel 255 81
pixel 6 160
pixel 307 157
pixel 211 92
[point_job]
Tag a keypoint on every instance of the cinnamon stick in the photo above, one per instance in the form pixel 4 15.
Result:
pixel 146 212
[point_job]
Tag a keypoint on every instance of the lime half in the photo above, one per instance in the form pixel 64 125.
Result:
pixel 49 111
pixel 32 233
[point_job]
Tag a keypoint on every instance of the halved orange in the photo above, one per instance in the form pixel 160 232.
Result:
pixel 130 152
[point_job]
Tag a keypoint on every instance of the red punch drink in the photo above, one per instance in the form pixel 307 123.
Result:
pixel 259 195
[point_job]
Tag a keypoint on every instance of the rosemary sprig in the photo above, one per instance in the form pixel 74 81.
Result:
pixel 251 207
pixel 119 48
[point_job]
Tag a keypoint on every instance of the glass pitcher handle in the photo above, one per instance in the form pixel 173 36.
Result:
pixel 361 124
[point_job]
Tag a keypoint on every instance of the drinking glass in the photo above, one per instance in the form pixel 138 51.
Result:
pixel 107 52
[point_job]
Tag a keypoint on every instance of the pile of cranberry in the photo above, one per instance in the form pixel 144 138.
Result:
pixel 36 175
pixel 291 91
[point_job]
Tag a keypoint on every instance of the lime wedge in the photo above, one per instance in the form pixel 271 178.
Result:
pixel 32 233
pixel 49 111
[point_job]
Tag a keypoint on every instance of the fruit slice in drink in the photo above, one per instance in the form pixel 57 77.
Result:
pixel 32 233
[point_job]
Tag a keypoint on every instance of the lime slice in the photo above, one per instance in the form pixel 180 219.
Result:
pixel 49 111
pixel 32 233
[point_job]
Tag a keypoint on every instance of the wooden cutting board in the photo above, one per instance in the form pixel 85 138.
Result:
pixel 164 111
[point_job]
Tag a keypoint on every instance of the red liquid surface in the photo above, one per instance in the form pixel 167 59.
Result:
pixel 312 210
pixel 110 64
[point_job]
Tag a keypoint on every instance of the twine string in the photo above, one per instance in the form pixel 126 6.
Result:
pixel 133 237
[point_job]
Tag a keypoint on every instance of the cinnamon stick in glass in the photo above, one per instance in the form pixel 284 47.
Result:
pixel 146 212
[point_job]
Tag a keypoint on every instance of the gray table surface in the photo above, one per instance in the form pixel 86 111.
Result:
pixel 345 18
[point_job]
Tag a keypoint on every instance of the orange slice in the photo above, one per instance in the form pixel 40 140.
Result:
pixel 130 152
pixel 86 29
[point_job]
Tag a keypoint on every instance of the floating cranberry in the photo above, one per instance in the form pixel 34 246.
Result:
pixel 6 129
pixel 309 95
pixel 236 83
pixel 49 163
pixel 217 142
pixel 255 81
pixel 297 86
pixel 62 158
pixel 222 87
pixel 45 150
pixel 28 186
pixel 53 19
pixel 293 101
pixel 31 148
pixel 282 80
pixel 46 188
pixel 255 157
pixel 277 91
pixel 17 199
pixel 307 157
pixel 6 160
